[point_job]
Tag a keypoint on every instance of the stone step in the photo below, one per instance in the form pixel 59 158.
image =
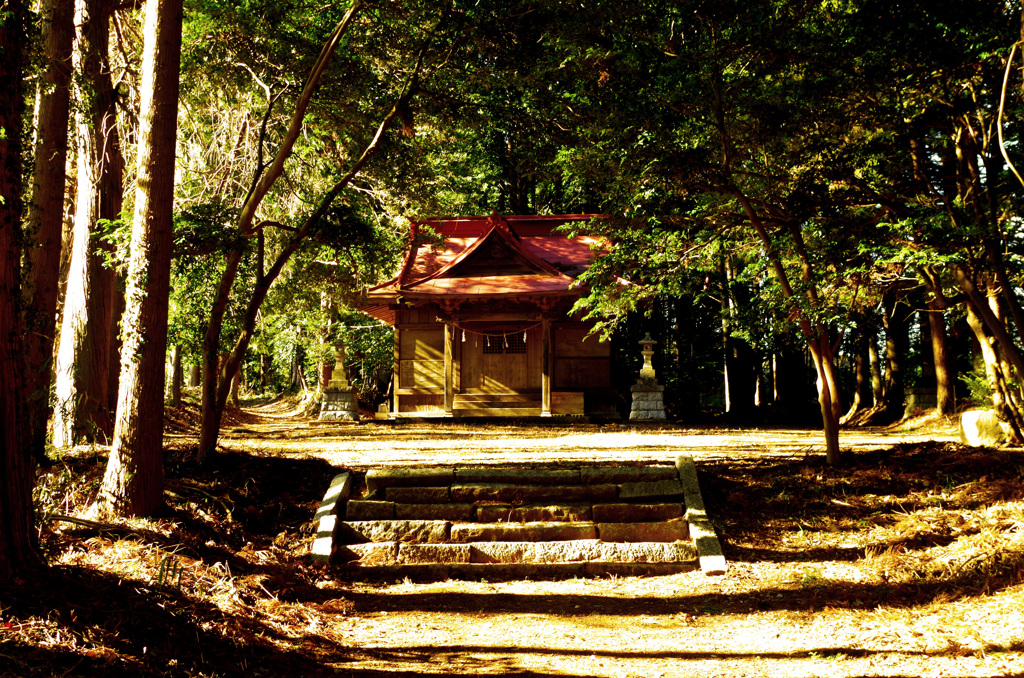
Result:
pixel 379 480
pixel 518 410
pixel 358 510
pixel 539 553
pixel 443 531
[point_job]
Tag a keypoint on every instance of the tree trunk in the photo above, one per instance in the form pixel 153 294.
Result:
pixel 862 374
pixel 875 368
pixel 945 374
pixel 1002 401
pixel 173 394
pixel 895 325
pixel 816 337
pixel 18 553
pixel 216 383
pixel 264 372
pixel 194 376
pixel 46 213
pixel 740 378
pixel 83 360
pixel 236 382
pixel 133 482
pixel 212 405
pixel 945 400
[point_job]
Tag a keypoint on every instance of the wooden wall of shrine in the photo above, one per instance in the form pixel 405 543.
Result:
pixel 485 366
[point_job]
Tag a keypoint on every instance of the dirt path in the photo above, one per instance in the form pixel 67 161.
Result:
pixel 803 599
pixel 907 561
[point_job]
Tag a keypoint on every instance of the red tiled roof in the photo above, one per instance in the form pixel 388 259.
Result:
pixel 489 257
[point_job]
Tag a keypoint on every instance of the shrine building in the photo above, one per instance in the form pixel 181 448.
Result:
pixel 483 324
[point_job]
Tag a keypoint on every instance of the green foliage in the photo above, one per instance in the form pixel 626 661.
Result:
pixel 202 233
pixel 838 121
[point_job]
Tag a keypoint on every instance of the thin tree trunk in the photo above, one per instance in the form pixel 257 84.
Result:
pixel 114 373
pixel 895 325
pixel 236 382
pixel 875 367
pixel 83 360
pixel 46 213
pixel 816 338
pixel 133 482
pixel 862 375
pixel 215 391
pixel 945 402
pixel 173 394
pixel 211 404
pixel 19 555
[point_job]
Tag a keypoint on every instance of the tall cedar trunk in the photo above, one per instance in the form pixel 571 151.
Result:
pixel 133 482
pixel 945 401
pixel 83 359
pixel 945 374
pixel 46 213
pixel 18 553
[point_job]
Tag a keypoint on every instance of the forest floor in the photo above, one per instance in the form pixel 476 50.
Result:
pixel 906 561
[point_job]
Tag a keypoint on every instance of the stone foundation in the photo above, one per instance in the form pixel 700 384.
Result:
pixel 648 403
pixel 339 406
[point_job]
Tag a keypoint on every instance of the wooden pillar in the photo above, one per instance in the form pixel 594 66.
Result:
pixel 547 364
pixel 449 369
pixel 396 376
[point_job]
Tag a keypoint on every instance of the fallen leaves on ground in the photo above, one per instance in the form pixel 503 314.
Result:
pixel 907 560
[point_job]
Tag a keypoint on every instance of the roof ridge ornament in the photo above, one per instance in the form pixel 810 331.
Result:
pixel 501 223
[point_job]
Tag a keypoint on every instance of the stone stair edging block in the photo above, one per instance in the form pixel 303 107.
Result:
pixel 712 560
pixel 326 517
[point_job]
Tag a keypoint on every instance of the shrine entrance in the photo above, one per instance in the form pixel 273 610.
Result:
pixel 499 360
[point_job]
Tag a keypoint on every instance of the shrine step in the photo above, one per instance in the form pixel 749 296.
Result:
pixel 503 411
pixel 496 405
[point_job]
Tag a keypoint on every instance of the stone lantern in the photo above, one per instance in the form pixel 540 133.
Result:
pixel 648 396
pixel 339 398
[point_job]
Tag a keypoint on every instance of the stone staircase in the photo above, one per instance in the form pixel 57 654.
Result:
pixel 501 522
